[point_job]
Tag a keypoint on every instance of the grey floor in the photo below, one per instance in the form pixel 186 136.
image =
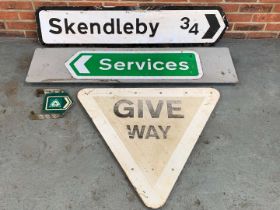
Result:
pixel 65 164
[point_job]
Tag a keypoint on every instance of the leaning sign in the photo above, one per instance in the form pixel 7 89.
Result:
pixel 150 131
pixel 97 26
pixel 135 65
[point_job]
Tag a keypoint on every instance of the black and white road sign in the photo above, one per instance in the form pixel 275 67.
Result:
pixel 130 26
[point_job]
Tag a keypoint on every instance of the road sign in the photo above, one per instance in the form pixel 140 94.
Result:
pixel 57 103
pixel 130 26
pixel 135 65
pixel 48 66
pixel 150 131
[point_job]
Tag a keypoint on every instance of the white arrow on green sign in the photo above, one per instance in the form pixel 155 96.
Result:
pixel 135 65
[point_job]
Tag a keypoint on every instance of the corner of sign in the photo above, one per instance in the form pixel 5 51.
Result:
pixel 83 92
pixel 28 80
pixel 156 200
pixel 200 74
pixel 214 92
pixel 154 205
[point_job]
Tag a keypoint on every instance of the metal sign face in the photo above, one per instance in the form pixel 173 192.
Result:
pixel 150 131
pixel 130 26
pixel 57 103
pixel 48 66
pixel 135 65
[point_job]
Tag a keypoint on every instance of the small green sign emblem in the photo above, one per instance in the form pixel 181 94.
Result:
pixel 135 65
pixel 57 103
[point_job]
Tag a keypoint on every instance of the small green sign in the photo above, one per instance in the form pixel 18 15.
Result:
pixel 135 65
pixel 57 103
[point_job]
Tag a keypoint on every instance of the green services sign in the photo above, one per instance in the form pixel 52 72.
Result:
pixel 56 103
pixel 135 65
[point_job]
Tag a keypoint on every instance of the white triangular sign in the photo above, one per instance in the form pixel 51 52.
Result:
pixel 150 131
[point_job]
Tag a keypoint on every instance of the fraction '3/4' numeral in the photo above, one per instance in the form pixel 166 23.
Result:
pixel 186 25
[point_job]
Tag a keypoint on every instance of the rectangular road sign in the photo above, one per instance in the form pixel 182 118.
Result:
pixel 130 25
pixel 48 66
pixel 135 65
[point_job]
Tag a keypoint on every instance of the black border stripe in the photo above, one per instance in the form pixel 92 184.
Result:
pixel 125 9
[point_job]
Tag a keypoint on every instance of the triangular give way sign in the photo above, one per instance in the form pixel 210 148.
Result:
pixel 151 131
